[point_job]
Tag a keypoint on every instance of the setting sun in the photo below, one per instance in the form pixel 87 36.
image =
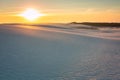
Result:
pixel 31 14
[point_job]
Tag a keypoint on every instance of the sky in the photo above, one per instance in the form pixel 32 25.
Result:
pixel 62 11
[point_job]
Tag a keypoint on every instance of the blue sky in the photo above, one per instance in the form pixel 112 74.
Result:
pixel 61 4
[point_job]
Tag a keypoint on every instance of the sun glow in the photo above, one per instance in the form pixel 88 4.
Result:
pixel 31 14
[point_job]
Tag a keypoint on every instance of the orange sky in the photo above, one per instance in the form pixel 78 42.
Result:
pixel 62 11
pixel 64 18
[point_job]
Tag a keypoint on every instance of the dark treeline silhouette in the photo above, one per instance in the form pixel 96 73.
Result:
pixel 98 24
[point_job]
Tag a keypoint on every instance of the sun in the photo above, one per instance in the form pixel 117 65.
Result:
pixel 31 14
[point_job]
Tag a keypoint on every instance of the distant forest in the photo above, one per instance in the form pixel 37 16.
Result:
pixel 98 24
